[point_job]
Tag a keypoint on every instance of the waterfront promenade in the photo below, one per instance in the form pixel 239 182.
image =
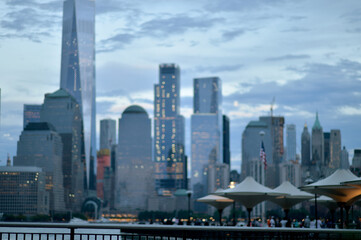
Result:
pixel 93 231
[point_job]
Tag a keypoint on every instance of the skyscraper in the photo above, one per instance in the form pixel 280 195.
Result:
pixel 335 149
pixel 31 113
pixel 134 168
pixel 317 143
pixel 40 146
pixel 63 112
pixel 226 141
pixel 291 142
pixel 169 155
pixel 107 133
pixel 305 147
pixel 206 132
pixel 77 73
pixel 326 148
pixel 345 164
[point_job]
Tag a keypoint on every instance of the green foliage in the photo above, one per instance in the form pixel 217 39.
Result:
pixel 39 218
pixel 80 215
pixel 14 218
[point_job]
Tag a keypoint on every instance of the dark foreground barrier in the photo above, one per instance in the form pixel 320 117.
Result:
pixel 63 231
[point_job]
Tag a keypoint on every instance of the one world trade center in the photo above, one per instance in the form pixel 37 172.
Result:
pixel 78 72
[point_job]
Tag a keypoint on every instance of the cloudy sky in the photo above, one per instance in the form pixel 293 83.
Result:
pixel 306 54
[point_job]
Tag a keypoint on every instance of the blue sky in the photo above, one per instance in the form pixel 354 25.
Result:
pixel 306 54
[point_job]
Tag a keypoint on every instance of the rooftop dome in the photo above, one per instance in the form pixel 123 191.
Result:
pixel 134 109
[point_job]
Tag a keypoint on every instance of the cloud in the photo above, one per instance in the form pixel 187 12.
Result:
pixel 176 25
pixel 219 68
pixel 353 16
pixel 350 110
pixel 118 41
pixel 230 35
pixel 287 57
pixel 55 5
pixel 239 6
pixel 296 29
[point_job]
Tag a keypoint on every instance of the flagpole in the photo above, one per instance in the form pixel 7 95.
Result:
pixel 262 133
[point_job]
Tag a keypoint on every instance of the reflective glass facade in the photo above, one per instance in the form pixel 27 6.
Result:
pixel 206 134
pixel 291 142
pixel 170 163
pixel 78 70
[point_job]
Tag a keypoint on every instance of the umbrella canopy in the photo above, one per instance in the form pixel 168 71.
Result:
pixel 218 202
pixel 333 187
pixel 295 195
pixel 249 193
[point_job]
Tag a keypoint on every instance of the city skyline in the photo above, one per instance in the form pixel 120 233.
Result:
pixel 309 61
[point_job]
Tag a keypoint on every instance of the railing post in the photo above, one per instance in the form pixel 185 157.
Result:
pixel 72 233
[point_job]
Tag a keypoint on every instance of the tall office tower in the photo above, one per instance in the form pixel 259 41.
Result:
pixel 63 112
pixel 226 141
pixel 291 142
pixel 31 113
pixel 169 155
pixel 305 147
pixel 335 149
pixel 356 162
pixel 276 130
pixel 134 168
pixel 77 74
pixel 326 147
pixel 23 191
pixel 317 143
pixel 251 145
pixel 103 162
pixel 107 133
pixel 40 146
pixel 206 133
pixel 345 164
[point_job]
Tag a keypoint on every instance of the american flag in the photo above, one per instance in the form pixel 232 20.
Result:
pixel 262 155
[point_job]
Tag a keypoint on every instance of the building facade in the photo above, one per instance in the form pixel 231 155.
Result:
pixel 291 142
pixel 317 150
pixel 62 111
pixel 23 191
pixel 31 113
pixel 335 149
pixel 305 147
pixel 226 141
pixel 134 183
pixel 107 133
pixel 103 162
pixel 169 155
pixel 41 146
pixel 77 74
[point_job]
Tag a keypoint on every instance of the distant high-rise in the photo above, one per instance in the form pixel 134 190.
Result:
pixel 169 155
pixel 40 146
pixel 305 147
pixel 63 112
pixel 317 144
pixel 226 141
pixel 345 164
pixel 326 148
pixel 103 164
pixel 107 133
pixel 31 113
pixel 134 182
pixel 77 74
pixel 335 149
pixel 356 162
pixel 206 133
pixel 291 142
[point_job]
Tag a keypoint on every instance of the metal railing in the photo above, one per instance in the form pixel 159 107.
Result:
pixel 63 231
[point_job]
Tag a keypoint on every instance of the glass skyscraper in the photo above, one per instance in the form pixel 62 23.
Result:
pixel 291 142
pixel 206 131
pixel 78 70
pixel 169 156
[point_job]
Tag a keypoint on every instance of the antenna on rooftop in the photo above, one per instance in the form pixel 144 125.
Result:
pixel 272 104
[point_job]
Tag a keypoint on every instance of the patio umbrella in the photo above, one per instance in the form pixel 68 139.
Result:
pixel 287 201
pixel 218 202
pixel 250 193
pixel 333 187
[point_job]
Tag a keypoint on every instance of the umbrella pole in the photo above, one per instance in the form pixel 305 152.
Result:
pixel 220 216
pixel 347 209
pixel 234 213
pixel 249 210
pixel 286 213
pixel 341 213
pixel 316 208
